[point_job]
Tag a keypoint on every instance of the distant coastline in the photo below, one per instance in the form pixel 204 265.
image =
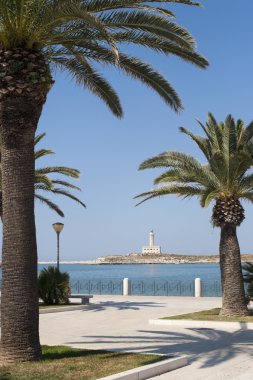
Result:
pixel 136 258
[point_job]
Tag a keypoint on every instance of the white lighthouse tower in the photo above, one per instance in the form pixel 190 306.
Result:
pixel 152 248
pixel 151 239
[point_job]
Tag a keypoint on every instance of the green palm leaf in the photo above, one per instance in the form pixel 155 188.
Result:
pixel 53 206
pixel 67 194
pixel 44 183
pixel 70 172
pixel 227 148
pixel 71 34
pixel 181 191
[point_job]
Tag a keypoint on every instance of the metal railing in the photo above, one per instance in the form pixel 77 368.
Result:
pixel 146 287
pixel 211 289
pixel 97 286
pixel 156 287
pixel 161 288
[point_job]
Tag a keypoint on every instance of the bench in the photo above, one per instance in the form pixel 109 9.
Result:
pixel 85 298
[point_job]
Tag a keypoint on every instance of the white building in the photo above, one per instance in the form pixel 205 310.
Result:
pixel 152 248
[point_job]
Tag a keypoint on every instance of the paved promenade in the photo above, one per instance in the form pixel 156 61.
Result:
pixel 121 323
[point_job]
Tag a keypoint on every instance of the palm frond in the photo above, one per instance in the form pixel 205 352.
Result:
pixel 87 76
pixel 44 183
pixel 68 33
pixel 70 172
pixel 53 206
pixel 40 179
pixel 58 191
pixel 106 5
pixel 248 133
pixel 172 159
pixel 152 23
pixel 39 137
pixel 73 11
pixel 43 152
pixel 66 184
pixel 227 173
pixel 161 45
pixel 208 195
pixel 202 176
pixel 203 143
pixel 181 191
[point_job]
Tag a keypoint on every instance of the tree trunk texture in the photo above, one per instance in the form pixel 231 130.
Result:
pixel 233 300
pixel 19 116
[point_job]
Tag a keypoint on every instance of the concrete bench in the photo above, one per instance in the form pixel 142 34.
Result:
pixel 85 298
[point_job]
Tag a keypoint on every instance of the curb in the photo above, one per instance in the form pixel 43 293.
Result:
pixel 202 324
pixel 61 309
pixel 150 370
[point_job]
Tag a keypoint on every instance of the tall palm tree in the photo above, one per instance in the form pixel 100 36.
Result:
pixel 73 35
pixel 225 179
pixel 45 184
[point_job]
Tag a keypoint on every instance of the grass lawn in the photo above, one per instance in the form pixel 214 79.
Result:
pixel 66 363
pixel 211 315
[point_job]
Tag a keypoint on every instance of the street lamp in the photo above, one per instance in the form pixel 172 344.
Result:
pixel 58 227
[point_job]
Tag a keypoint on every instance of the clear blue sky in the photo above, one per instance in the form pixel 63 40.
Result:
pixel 84 135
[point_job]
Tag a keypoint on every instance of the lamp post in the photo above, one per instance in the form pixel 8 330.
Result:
pixel 58 227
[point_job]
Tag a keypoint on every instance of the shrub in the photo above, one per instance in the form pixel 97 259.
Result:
pixel 54 286
pixel 248 279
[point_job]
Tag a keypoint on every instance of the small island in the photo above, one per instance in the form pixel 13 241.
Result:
pixel 152 254
pixel 164 258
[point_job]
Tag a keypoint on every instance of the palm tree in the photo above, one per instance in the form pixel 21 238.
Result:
pixel 45 184
pixel 225 179
pixel 73 35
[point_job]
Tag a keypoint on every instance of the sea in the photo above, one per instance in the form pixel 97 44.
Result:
pixel 170 272
pixel 144 279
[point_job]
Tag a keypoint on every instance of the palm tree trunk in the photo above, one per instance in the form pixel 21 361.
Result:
pixel 19 307
pixel 233 301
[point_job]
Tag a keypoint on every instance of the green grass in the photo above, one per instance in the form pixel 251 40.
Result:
pixel 66 363
pixel 211 315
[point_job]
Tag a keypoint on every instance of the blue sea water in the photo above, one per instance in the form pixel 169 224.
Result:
pixel 170 272
pixel 145 279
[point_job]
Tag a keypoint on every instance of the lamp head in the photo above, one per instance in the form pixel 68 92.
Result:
pixel 58 227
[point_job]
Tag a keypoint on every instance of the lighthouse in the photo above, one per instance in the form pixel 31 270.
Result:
pixel 151 239
pixel 152 248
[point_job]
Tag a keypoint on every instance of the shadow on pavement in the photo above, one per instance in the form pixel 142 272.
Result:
pixel 210 346
pixel 101 306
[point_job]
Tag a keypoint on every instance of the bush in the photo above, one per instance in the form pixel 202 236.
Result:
pixel 54 286
pixel 248 279
pixel 249 292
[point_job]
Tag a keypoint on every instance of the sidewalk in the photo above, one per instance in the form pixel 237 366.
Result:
pixel 121 323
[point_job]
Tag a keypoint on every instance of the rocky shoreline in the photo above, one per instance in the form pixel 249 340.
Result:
pixel 137 258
